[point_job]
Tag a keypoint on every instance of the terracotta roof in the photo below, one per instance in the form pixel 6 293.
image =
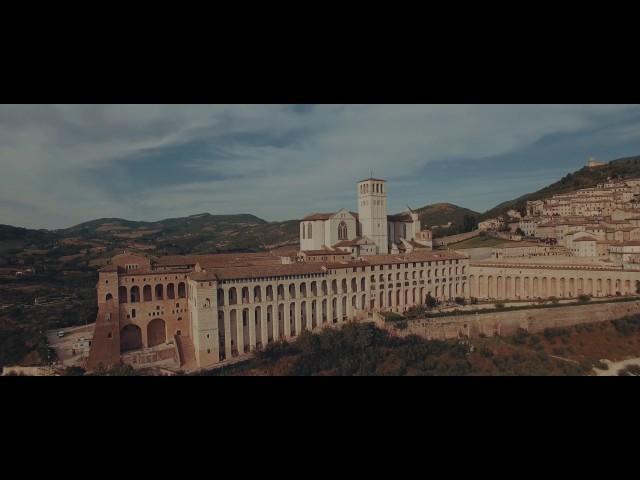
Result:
pixel 585 239
pixel 234 273
pixel 400 217
pixel 325 252
pixel 319 216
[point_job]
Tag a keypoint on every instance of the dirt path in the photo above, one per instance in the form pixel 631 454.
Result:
pixel 615 367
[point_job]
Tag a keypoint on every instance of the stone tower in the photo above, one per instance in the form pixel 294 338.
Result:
pixel 372 212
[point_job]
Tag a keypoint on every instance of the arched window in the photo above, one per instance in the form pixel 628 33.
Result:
pixel 342 231
pixel 303 231
pixel 309 230
pixel 109 297
pixel 404 230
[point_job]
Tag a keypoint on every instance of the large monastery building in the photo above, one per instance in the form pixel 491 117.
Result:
pixel 198 311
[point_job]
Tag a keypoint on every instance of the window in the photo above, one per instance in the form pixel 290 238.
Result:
pixel 309 230
pixel 342 231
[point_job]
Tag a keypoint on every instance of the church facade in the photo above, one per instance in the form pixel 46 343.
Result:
pixel 369 231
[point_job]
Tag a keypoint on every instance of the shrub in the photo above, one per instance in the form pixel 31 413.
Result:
pixel 392 317
pixel 521 336
pixel 430 302
pixel 460 300
pixel 584 298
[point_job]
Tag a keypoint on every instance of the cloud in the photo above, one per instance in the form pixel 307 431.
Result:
pixel 63 164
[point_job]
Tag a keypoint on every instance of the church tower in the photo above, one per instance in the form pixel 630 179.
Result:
pixel 372 212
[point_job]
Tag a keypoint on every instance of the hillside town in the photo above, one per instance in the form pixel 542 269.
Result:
pixel 600 223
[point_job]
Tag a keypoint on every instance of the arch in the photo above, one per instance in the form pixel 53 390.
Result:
pixel 303 290
pixel 292 290
pixel 292 318
pixel 344 308
pixel 314 289
pixel 280 292
pixel 171 291
pixel 135 294
pixel 344 285
pixel 281 320
pixel 146 293
pixel 257 316
pixel 221 335
pixel 381 301
pixel 156 332
pixel 309 230
pixel 122 294
pixel 233 296
pixel 233 330
pixel 324 287
pixel 324 311
pixel 304 325
pixel 314 314
pixel 334 287
pixel 108 297
pixel 269 293
pixel 130 338
pixel 354 285
pixel 245 330
pixel 389 299
pixel 303 231
pixel 334 310
pixel 159 292
pixel 245 294
pixel 182 290
pixel 220 295
pixel 343 232
pixel 362 283
pixel 257 294
pixel 270 324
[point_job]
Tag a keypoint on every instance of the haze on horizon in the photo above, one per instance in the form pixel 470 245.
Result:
pixel 65 164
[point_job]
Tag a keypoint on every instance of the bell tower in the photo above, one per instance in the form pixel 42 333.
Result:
pixel 372 212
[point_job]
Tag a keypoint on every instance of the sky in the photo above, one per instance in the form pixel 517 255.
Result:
pixel 66 164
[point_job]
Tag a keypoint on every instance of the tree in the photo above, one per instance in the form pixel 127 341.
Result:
pixel 430 302
pixel 469 223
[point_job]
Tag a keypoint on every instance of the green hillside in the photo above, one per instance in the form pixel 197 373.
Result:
pixel 443 213
pixel 628 167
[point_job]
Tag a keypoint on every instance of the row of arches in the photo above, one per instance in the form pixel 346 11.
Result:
pixel 132 338
pixel 533 286
pixel 149 294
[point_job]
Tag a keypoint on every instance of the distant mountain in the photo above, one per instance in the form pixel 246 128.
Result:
pixel 442 213
pixel 628 167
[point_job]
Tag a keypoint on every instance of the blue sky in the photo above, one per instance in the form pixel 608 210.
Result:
pixel 64 164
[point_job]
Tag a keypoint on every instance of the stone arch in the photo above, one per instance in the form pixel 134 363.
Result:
pixel 324 288
pixel 245 294
pixel 292 319
pixel 362 283
pixel 146 293
pixel 220 295
pixel 135 294
pixel 314 314
pixel 304 325
pixel 257 294
pixel 182 290
pixel 257 316
pixel 108 297
pixel 344 308
pixel 292 290
pixel 281 320
pixel 171 291
pixel 269 293
pixel 344 285
pixel 159 292
pixel 156 332
pixel 334 287
pixel 354 285
pixel 233 330
pixel 334 310
pixel 324 311
pixel 314 289
pixel 245 330
pixel 270 323
pixel 303 290
pixel 280 292
pixel 233 296
pixel 130 338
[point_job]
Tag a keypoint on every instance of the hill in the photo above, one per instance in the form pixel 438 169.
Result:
pixel 628 167
pixel 443 213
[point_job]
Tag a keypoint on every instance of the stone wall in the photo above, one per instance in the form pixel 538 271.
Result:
pixel 507 323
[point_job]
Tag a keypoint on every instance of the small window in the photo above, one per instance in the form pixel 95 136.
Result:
pixel 109 335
